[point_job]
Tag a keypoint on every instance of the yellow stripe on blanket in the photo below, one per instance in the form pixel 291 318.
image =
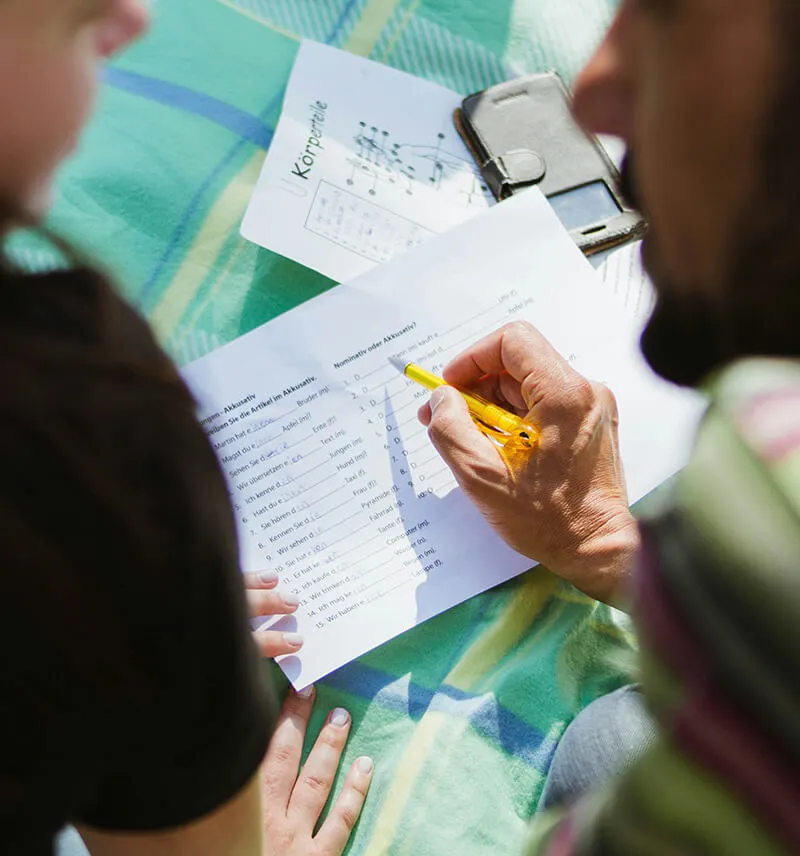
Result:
pixel 368 30
pixel 419 751
pixel 223 219
pixel 227 212
pixel 407 15
pixel 281 31
pixel 479 659
pixel 482 657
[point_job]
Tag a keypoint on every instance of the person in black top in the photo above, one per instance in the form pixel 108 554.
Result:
pixel 131 698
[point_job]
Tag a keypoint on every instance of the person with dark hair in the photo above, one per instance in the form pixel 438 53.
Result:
pixel 704 757
pixel 131 699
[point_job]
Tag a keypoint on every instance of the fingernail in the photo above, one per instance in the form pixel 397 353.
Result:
pixel 307 692
pixel 291 599
pixel 340 717
pixel 268 578
pixel 437 397
pixel 365 766
pixel 293 640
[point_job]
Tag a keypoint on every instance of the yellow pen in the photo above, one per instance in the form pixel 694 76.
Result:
pixel 493 420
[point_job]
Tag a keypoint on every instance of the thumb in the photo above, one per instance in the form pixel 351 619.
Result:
pixel 456 437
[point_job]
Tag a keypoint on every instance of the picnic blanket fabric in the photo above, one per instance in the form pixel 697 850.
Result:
pixel 463 714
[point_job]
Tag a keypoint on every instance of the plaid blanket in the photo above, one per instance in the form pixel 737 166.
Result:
pixel 463 714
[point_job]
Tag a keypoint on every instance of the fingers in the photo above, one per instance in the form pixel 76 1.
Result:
pixel 516 363
pixel 272 643
pixel 501 389
pixel 279 771
pixel 455 435
pixel 516 349
pixel 316 779
pixel 262 600
pixel 504 390
pixel 338 826
pixel 271 603
pixel 425 414
pixel 261 580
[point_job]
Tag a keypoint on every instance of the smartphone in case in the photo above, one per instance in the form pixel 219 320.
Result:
pixel 522 133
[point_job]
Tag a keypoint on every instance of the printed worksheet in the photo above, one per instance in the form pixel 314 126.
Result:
pixel 335 483
pixel 365 165
pixel 624 275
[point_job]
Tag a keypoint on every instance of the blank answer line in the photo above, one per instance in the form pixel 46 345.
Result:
pixel 415 403
pixel 386 383
pixel 383 564
pixel 481 314
pixel 451 480
pixel 383 579
pixel 299 442
pixel 336 525
pixel 473 337
pixel 364 544
pixel 425 448
pixel 440 472
pixel 308 472
pixel 383 594
pixel 316 484
pixel 373 372
pixel 327 495
pixel 335 508
pixel 283 417
pixel 350 534
pixel 414 418
pixel 373 554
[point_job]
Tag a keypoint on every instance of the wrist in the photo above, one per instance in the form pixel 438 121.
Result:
pixel 605 560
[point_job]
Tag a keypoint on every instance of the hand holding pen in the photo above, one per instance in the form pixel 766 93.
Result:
pixel 508 431
pixel 564 501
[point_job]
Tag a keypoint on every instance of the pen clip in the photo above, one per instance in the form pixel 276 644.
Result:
pixel 514 450
pixel 502 439
pixel 499 438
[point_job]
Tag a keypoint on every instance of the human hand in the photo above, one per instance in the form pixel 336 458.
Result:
pixel 565 503
pixel 264 601
pixel 293 800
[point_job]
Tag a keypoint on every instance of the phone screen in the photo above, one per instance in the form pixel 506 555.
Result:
pixel 585 206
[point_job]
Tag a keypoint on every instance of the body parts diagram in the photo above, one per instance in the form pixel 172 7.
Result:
pixel 379 160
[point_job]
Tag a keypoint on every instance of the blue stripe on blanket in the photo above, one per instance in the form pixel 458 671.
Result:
pixel 483 712
pixel 241 123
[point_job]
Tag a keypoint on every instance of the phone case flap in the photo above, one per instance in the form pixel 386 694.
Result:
pixel 523 133
pixel 515 169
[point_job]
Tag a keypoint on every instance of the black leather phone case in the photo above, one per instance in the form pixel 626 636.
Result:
pixel 522 133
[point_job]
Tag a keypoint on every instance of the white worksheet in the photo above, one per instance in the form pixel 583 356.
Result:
pixel 365 164
pixel 335 483
pixel 624 276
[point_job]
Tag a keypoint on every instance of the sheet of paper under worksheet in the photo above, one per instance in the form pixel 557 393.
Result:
pixel 335 483
pixel 365 164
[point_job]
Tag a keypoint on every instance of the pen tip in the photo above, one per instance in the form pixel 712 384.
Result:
pixel 398 364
